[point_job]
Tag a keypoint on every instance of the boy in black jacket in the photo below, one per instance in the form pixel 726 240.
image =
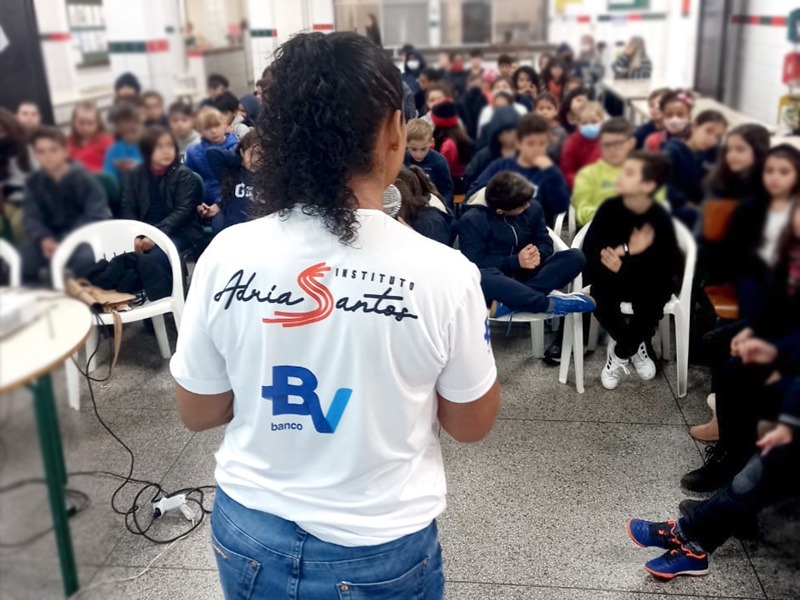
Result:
pixel 508 240
pixel 59 198
pixel 632 257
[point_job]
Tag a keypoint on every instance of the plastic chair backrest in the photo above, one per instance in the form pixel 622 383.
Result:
pixel 717 215
pixel 111 238
pixel 11 257
pixel 689 248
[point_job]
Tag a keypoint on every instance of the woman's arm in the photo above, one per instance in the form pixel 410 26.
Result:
pixel 200 411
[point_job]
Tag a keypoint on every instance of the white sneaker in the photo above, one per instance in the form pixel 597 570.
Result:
pixel 644 365
pixel 615 368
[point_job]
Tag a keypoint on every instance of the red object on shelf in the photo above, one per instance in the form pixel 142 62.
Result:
pixel 791 67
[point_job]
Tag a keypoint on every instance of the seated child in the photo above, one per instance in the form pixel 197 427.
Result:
pixel 570 109
pixel 433 95
pixel 597 182
pixel 582 147
pixel 422 208
pixel 28 115
pixel 234 169
pixel 691 161
pixel 213 128
pixel 707 524
pixel 153 104
pixel 228 104
pixel 60 197
pixel 124 154
pixel 676 110
pixel 164 193
pixel 420 153
pixel 547 106
pixel 181 124
pixel 502 133
pixel 452 142
pixel 88 141
pixel 216 85
pixel 632 258
pixel 656 122
pixel 532 162
pixel 509 242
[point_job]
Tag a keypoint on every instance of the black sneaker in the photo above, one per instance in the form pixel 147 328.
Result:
pixel 552 356
pixel 719 469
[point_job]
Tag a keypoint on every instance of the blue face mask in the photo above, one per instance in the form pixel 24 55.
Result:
pixel 590 132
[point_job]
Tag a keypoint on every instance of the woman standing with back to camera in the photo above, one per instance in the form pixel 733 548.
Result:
pixel 332 341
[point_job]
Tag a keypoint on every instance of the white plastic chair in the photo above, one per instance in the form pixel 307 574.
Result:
pixel 572 223
pixel 678 306
pixel 536 320
pixel 109 239
pixel 11 257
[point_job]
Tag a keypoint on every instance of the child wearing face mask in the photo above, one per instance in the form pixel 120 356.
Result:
pixel 676 108
pixel 691 160
pixel 656 122
pixel 582 147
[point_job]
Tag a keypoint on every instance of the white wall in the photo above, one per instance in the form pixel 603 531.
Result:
pixel 670 41
pixel 763 49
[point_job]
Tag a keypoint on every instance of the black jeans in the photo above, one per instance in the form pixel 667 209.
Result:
pixel 763 481
pixel 33 261
pixel 528 292
pixel 628 331
pixel 743 399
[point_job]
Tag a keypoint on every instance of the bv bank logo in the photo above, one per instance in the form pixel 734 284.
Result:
pixel 308 282
pixel 284 387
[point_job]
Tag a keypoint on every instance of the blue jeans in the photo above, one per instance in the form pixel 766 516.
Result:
pixel 260 556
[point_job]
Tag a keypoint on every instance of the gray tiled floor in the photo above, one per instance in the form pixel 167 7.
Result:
pixel 536 511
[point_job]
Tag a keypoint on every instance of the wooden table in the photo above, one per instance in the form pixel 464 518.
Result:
pixel 27 356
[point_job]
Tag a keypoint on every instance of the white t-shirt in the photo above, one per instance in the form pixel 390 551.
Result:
pixel 334 354
pixel 777 221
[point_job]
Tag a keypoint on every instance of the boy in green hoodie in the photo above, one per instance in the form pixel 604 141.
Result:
pixel 597 182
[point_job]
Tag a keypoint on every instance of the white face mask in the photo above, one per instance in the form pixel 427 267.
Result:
pixel 413 65
pixel 675 124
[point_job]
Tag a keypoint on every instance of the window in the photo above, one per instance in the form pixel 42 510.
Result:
pixel 87 26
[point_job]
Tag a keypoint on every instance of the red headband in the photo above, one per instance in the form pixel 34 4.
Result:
pixel 445 121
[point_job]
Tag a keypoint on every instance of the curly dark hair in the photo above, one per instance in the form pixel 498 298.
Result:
pixel 329 97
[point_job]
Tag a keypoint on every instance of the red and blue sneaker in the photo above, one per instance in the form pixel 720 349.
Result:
pixel 647 534
pixel 678 561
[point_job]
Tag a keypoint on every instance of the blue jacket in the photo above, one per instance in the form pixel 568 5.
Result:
pixel 236 207
pixel 434 224
pixel 120 150
pixel 435 167
pixel 553 193
pixel 503 119
pixel 197 161
pixel 494 241
pixel 688 169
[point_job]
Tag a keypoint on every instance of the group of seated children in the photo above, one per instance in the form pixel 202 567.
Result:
pixel 171 169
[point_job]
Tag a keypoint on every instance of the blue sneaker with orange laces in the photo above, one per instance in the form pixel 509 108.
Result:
pixel 678 561
pixel 647 534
